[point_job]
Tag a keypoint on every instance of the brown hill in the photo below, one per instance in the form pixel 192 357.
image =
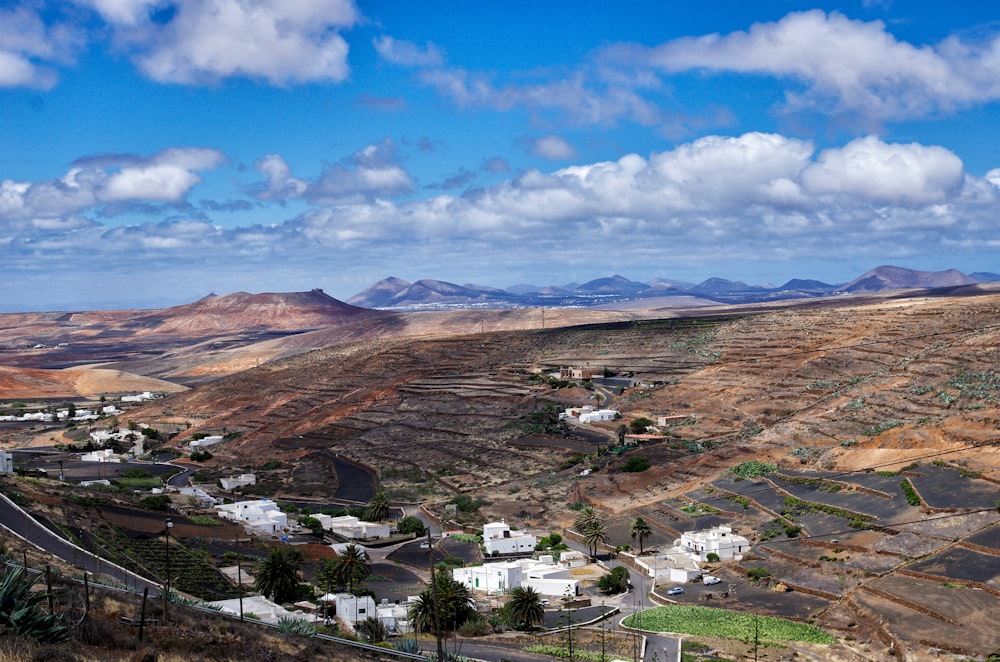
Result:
pixel 887 277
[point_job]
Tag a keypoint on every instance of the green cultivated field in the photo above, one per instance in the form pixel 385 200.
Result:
pixel 708 622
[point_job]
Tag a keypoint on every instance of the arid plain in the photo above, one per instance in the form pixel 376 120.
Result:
pixel 849 397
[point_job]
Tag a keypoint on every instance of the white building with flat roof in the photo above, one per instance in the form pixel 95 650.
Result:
pixel 499 539
pixel 544 575
pixel 348 526
pixel 262 515
pixel 721 540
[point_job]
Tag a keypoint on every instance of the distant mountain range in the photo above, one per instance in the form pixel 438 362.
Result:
pixel 398 294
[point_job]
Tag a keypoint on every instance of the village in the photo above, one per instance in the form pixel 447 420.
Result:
pixel 497 559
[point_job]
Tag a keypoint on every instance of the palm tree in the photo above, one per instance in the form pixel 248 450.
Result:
pixel 378 509
pixel 277 576
pixel 583 519
pixel 640 530
pixel 525 608
pixel 590 525
pixel 595 535
pixel 454 605
pixel 351 567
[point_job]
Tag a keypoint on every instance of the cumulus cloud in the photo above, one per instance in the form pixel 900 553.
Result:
pixel 751 196
pixel 203 41
pixel 846 66
pixel 370 173
pixel 29 49
pixel 833 65
pixel 908 175
pixel 555 148
pixel 108 179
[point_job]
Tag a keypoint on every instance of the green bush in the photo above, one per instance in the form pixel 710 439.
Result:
pixel 616 581
pixel 160 502
pixel 912 497
pixel 758 573
pixel 635 464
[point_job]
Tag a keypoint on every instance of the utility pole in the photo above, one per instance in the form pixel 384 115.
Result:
pixel 434 600
pixel 166 584
pixel 239 576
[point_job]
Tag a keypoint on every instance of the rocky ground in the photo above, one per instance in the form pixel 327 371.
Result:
pixel 842 387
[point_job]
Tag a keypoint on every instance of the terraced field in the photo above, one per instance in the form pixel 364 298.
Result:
pixel 834 395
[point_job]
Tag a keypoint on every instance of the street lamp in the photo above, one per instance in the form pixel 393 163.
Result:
pixel 166 592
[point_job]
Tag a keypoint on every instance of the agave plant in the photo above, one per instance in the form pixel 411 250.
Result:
pixel 21 612
pixel 290 625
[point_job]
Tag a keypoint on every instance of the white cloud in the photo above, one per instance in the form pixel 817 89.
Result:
pixel 29 48
pixel 281 42
pixel 713 200
pixel 847 66
pixel 370 173
pixel 123 12
pixel 165 176
pixel 555 148
pixel 406 53
pixel 870 169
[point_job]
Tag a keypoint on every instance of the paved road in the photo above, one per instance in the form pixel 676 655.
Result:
pixel 24 526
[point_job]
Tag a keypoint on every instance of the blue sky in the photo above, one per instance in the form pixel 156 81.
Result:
pixel 154 151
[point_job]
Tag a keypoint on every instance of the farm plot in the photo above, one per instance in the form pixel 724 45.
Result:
pixel 758 490
pixel 789 570
pixel 724 623
pixel 979 637
pixel 946 487
pixel 858 502
pixel 960 563
pixel 987 538
pixel 946 601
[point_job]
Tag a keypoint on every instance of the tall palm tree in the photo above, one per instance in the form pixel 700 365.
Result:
pixel 454 605
pixel 378 509
pixel 640 530
pixel 277 576
pixel 351 567
pixel 525 608
pixel 590 525
pixel 585 517
pixel 595 535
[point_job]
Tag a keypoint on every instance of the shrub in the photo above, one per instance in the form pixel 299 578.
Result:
pixel 912 497
pixel 758 573
pixel 635 464
pixel 712 557
pixel 616 581
pixel 160 502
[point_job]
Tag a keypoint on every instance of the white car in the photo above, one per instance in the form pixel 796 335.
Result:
pixel 709 580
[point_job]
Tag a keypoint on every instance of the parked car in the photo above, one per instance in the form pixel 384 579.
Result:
pixel 708 580
pixel 545 602
pixel 677 590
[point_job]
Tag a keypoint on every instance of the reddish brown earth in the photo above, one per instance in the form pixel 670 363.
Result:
pixel 432 402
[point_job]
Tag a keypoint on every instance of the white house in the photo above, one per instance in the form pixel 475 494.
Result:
pixel 499 539
pixel 262 515
pixel 348 526
pixel 140 397
pixel 721 540
pixel 490 577
pixel 233 482
pixel 204 442
pixel 599 416
pixel 353 608
pixel 103 455
pixel 543 575
pixel 6 463
pixel 676 567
